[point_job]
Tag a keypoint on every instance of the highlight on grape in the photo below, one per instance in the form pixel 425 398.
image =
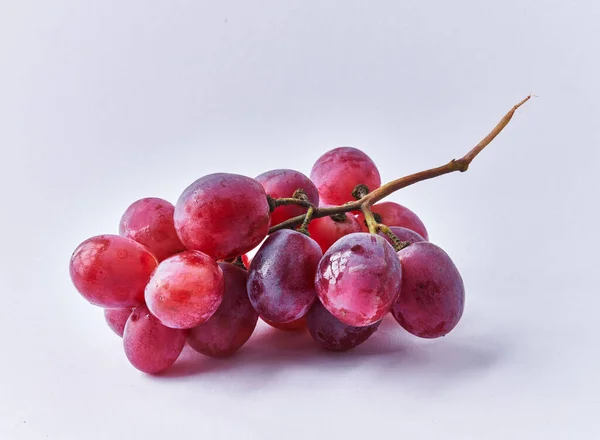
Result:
pixel 334 259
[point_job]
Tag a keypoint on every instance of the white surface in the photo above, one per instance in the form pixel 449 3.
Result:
pixel 102 103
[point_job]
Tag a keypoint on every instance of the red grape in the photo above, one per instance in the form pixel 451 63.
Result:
pixel 432 296
pixel 337 172
pixel 149 221
pixel 358 279
pixel 112 271
pixel 233 322
pixel 222 215
pixel 292 326
pixel 393 214
pixel 185 290
pixel 403 234
pixel 281 277
pixel 327 231
pixel 116 319
pixel 150 346
pixel 282 184
pixel 246 260
pixel 332 334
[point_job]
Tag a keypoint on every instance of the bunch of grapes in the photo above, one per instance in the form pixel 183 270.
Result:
pixel 181 274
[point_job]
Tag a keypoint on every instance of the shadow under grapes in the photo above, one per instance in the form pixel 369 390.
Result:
pixel 394 353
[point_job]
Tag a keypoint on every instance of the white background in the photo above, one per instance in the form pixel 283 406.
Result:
pixel 102 103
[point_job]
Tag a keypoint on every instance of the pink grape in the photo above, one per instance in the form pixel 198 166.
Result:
pixel 112 271
pixel 233 322
pixel 281 277
pixel 432 296
pixel 403 234
pixel 150 222
pixel 185 290
pixel 116 319
pixel 358 279
pixel 327 231
pixel 292 326
pixel 222 215
pixel 150 346
pixel 282 184
pixel 394 214
pixel 332 334
pixel 337 172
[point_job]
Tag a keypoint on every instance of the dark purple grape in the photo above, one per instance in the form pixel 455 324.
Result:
pixel 432 296
pixel 332 334
pixel 281 278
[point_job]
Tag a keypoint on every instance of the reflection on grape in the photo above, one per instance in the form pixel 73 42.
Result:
pixel 358 279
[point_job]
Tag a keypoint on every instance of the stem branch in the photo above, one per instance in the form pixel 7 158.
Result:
pixel 365 202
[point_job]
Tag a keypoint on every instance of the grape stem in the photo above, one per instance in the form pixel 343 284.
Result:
pixel 396 242
pixel 365 202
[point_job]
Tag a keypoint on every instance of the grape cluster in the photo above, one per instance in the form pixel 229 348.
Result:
pixel 181 273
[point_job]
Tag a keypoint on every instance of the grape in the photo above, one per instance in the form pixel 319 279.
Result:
pixel 403 234
pixel 222 215
pixel 116 319
pixel 327 231
pixel 233 322
pixel 112 271
pixel 337 172
pixel 292 326
pixel 393 214
pixel 149 345
pixel 358 279
pixel 432 296
pixel 149 221
pixel 281 277
pixel 185 290
pixel 282 184
pixel 332 334
pixel 246 260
